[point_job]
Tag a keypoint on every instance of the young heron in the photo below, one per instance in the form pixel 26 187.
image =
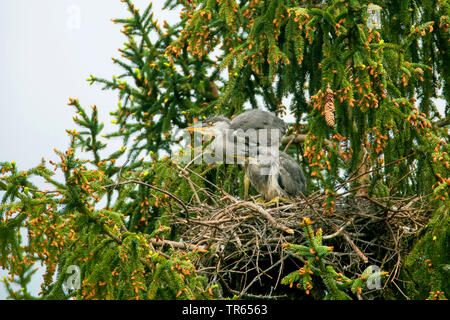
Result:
pixel 273 173
pixel 276 175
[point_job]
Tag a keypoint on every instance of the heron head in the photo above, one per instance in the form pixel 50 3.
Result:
pixel 211 126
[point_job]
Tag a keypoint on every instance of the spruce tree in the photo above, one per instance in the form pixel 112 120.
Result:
pixel 363 99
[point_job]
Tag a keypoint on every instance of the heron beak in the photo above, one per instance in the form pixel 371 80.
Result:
pixel 198 129
pixel 251 160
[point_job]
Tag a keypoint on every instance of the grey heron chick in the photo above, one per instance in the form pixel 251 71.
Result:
pixel 277 175
pixel 256 135
pixel 215 127
pixel 244 134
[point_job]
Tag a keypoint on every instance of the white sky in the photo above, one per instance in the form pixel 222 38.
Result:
pixel 48 51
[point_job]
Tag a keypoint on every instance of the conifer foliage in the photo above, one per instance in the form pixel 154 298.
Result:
pixel 335 282
pixel 364 99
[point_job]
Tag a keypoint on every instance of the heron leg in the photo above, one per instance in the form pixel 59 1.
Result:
pixel 260 200
pixel 246 186
pixel 286 200
pixel 277 200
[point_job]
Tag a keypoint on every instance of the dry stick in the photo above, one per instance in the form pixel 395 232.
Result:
pixel 212 184
pixel 248 295
pixel 202 223
pixel 186 176
pixel 365 215
pixel 394 211
pixel 363 162
pixel 289 143
pixel 355 248
pixel 258 276
pixel 155 188
pixel 256 208
pixel 280 270
pixel 373 170
pixel 407 298
pixel 266 215
pixel 397 252
pixel 340 230
pixel 441 123
pixel 175 244
pixel 226 210
pixel 299 139
pixel 238 241
pixel 159 252
pixel 345 235
pixel 404 177
pixel 374 244
pixel 413 200
pixel 257 248
pixel 197 198
pixel 257 296
pixel 296 138
pixel 212 222
pixel 192 161
pixel 314 209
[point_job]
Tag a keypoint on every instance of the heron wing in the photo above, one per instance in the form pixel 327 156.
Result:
pixel 291 177
pixel 256 120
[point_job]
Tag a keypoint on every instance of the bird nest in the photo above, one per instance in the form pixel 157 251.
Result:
pixel 244 239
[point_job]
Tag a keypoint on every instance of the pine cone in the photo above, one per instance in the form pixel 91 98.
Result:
pixel 329 106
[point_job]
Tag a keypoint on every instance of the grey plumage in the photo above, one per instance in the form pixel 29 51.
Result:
pixel 215 119
pixel 257 119
pixel 291 175
pixel 280 177
pixel 268 128
pixel 245 133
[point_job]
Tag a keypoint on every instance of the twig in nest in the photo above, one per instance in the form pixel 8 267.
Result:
pixel 248 295
pixel 393 274
pixel 248 237
pixel 178 245
pixel 339 231
pixel 258 276
pixel 353 245
pixel 265 214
